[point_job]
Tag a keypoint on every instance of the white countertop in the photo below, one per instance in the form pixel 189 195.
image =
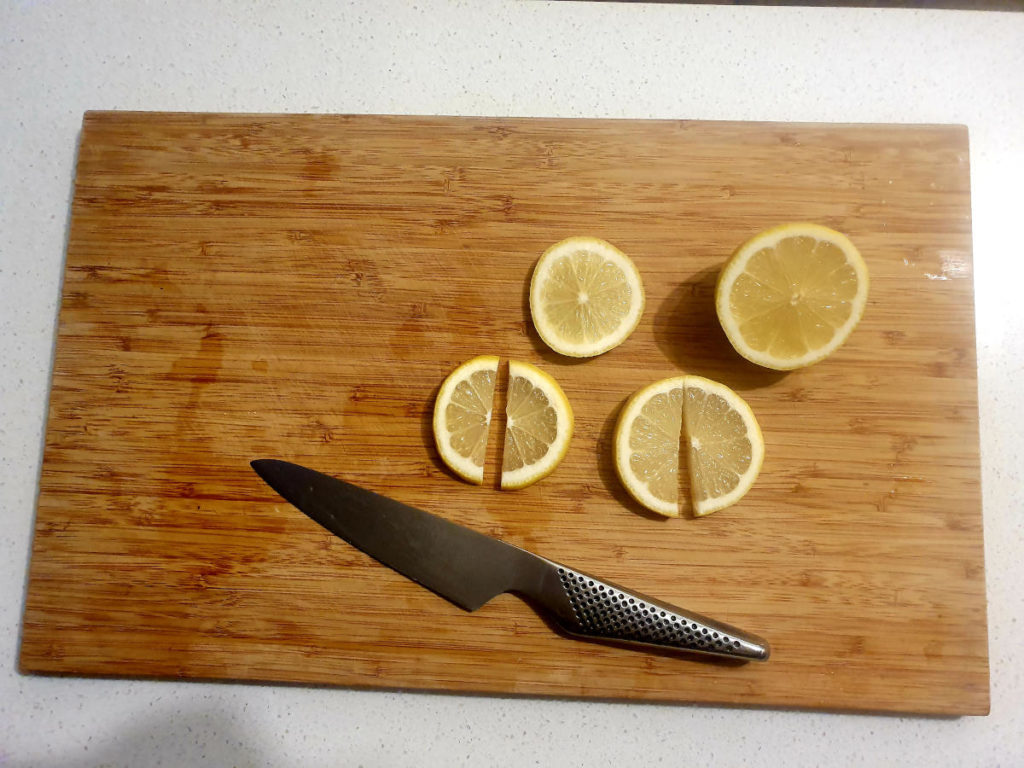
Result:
pixel 523 58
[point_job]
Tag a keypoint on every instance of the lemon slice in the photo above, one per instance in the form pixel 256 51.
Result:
pixel 791 295
pixel 462 416
pixel 725 448
pixel 538 426
pixel 586 297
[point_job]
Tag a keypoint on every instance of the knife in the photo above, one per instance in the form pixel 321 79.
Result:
pixel 469 568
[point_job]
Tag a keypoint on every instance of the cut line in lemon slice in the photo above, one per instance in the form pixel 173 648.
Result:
pixel 462 416
pixel 538 426
pixel 791 295
pixel 724 445
pixel 586 297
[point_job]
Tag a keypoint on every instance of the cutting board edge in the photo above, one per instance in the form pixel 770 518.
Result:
pixel 97 116
pixel 980 706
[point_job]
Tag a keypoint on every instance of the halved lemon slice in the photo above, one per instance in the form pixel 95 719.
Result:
pixel 538 426
pixel 586 297
pixel 647 445
pixel 791 295
pixel 462 416
pixel 725 448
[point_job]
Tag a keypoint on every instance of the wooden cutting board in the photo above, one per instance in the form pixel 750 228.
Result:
pixel 299 286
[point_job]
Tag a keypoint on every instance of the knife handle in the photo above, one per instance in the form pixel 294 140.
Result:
pixel 590 607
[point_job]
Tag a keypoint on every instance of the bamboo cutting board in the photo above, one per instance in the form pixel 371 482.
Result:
pixel 298 287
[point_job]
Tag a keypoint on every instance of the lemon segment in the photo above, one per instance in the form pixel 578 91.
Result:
pixel 586 297
pixel 538 426
pixel 724 448
pixel 462 416
pixel 791 295
pixel 647 445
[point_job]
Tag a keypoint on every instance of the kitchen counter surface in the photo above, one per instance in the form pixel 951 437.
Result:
pixel 521 58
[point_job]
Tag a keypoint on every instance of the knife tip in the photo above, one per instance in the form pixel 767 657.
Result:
pixel 272 470
pixel 262 466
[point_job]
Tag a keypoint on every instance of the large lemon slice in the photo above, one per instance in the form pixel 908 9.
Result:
pixel 791 295
pixel 585 297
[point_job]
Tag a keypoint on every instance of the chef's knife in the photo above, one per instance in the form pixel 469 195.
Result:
pixel 469 568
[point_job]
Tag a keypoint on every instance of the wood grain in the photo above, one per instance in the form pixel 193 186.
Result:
pixel 298 286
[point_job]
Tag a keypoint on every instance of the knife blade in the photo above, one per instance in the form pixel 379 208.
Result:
pixel 469 568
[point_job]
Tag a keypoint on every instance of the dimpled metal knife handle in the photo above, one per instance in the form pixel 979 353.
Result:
pixel 600 609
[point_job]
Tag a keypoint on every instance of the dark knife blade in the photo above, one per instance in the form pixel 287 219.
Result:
pixel 456 562
pixel 469 568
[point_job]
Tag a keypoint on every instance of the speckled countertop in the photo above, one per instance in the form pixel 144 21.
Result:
pixel 60 58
